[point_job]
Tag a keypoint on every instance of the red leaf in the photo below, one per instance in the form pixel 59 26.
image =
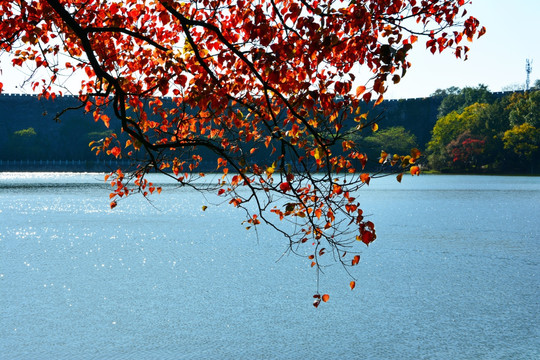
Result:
pixel 367 237
pixel 285 186
pixel 355 260
pixel 116 151
pixel 367 97
pixel 482 31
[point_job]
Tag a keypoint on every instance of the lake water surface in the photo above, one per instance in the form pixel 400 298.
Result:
pixel 454 274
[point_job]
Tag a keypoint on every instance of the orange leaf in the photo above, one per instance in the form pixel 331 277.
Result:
pixel 415 153
pixel 355 260
pixel 106 120
pixel 374 127
pixel 352 285
pixel 383 157
pixel 360 90
pixel 415 170
pixel 113 204
pixel 379 100
pixel 365 178
pixel 325 297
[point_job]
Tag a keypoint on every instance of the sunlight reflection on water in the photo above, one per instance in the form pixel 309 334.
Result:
pixel 452 274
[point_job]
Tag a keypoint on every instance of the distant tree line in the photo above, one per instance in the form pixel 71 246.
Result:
pixel 477 132
pixel 468 130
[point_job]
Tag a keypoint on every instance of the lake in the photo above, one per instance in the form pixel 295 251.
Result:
pixel 454 274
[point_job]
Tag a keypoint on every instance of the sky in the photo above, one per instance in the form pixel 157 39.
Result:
pixel 497 59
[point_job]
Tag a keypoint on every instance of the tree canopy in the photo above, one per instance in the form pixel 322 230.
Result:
pixel 456 99
pixel 268 86
pixel 501 136
pixel 523 140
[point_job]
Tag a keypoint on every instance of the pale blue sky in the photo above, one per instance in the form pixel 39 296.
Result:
pixel 497 59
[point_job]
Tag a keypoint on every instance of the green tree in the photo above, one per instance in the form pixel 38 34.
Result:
pixel 29 133
pixel 449 127
pixel 496 116
pixel 523 140
pixel 453 90
pixel 23 144
pixel 525 109
pixel 457 100
pixel 394 140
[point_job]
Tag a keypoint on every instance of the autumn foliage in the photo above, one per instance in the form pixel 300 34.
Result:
pixel 267 86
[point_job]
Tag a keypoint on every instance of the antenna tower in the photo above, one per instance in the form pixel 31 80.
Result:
pixel 528 69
